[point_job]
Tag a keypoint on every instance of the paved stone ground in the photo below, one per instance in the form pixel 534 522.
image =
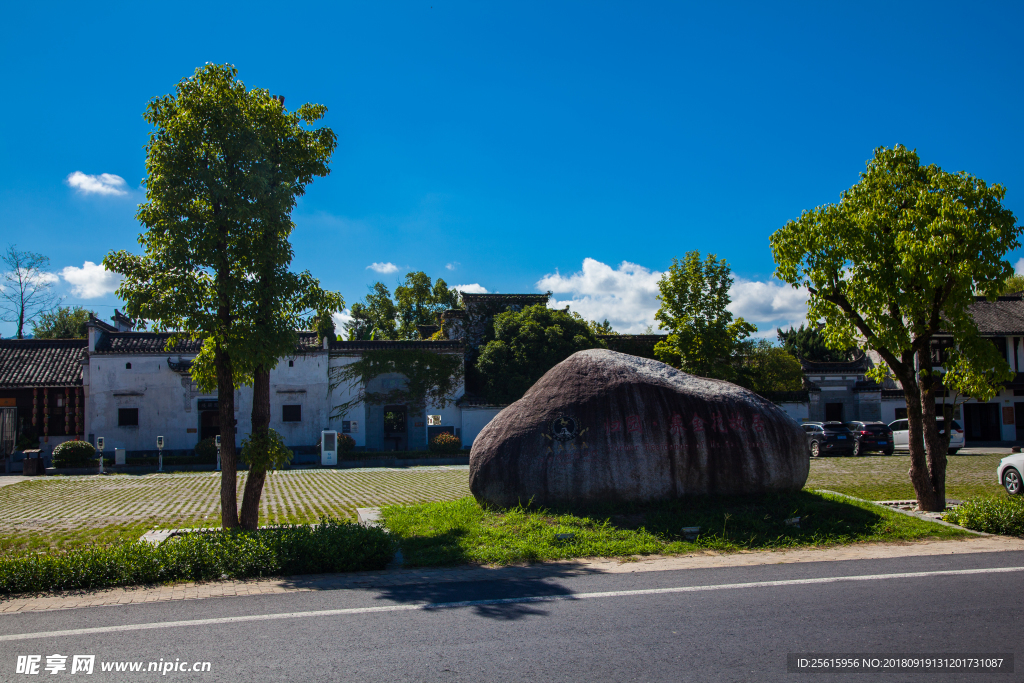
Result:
pixel 38 505
pixel 399 577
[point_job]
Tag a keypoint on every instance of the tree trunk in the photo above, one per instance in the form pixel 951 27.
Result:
pixel 260 424
pixel 934 446
pixel 919 474
pixel 228 460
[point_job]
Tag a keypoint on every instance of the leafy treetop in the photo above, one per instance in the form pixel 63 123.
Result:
pixel 808 343
pixel 64 322
pixel 528 343
pixel 702 336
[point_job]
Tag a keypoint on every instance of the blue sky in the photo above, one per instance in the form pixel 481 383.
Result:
pixel 519 147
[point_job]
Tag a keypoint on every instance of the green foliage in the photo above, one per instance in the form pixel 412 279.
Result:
pixel 1013 285
pixel 416 302
pixel 345 443
pixel 445 443
pixel 808 343
pixel 528 343
pixel 375 319
pixel 604 327
pixel 224 168
pixel 207 448
pixel 460 531
pixel 429 377
pixel 421 303
pixel 74 454
pixel 703 337
pixel 265 451
pixel 330 546
pixel 64 322
pixel 765 368
pixel 897 261
pixel 1003 515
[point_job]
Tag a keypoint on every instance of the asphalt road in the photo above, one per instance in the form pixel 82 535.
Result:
pixel 727 624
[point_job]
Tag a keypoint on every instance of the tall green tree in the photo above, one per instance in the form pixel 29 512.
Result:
pixel 528 343
pixel 224 165
pixel 417 301
pixel 893 264
pixel 808 343
pixel 420 302
pixel 703 338
pixel 63 322
pixel 373 318
pixel 764 368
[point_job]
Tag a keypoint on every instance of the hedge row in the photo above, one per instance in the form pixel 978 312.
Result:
pixel 330 546
pixel 992 515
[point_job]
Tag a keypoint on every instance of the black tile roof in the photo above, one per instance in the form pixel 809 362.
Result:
pixel 156 342
pixel 858 365
pixel 1005 315
pixel 27 363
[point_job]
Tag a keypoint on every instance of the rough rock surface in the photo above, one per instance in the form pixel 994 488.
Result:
pixel 604 426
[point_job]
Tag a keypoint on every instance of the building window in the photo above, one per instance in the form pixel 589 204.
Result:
pixel 127 417
pixel 291 364
pixel 291 413
pixel 433 420
pixel 127 366
pixel 346 427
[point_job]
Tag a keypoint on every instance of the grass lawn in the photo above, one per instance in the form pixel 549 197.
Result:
pixel 461 531
pixel 62 513
pixel 880 477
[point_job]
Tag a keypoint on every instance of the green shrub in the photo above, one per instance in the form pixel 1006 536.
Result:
pixel 992 515
pixel 345 443
pixel 330 546
pixel 446 443
pixel 74 454
pixel 207 448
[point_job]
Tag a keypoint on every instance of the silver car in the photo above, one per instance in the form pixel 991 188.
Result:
pixel 900 441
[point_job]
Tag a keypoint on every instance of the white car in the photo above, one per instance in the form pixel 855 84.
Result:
pixel 1010 470
pixel 900 441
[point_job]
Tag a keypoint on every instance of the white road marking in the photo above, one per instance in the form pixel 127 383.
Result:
pixel 427 606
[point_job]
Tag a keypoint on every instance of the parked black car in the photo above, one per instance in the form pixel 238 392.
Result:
pixel 828 438
pixel 871 436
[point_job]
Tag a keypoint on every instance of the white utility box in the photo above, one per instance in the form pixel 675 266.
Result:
pixel 328 447
pixel 119 458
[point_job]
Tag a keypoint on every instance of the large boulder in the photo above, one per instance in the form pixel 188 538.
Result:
pixel 603 426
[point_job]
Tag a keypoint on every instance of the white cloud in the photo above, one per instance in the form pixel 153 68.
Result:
pixel 91 281
pixel 383 268
pixel 104 183
pixel 474 288
pixel 1019 268
pixel 772 304
pixel 340 320
pixel 455 264
pixel 626 296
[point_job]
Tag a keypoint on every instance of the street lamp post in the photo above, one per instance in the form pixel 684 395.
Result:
pixel 217 441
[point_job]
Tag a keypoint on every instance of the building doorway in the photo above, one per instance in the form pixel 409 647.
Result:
pixel 1018 419
pixel 396 432
pixel 833 412
pixel 981 422
pixel 209 419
